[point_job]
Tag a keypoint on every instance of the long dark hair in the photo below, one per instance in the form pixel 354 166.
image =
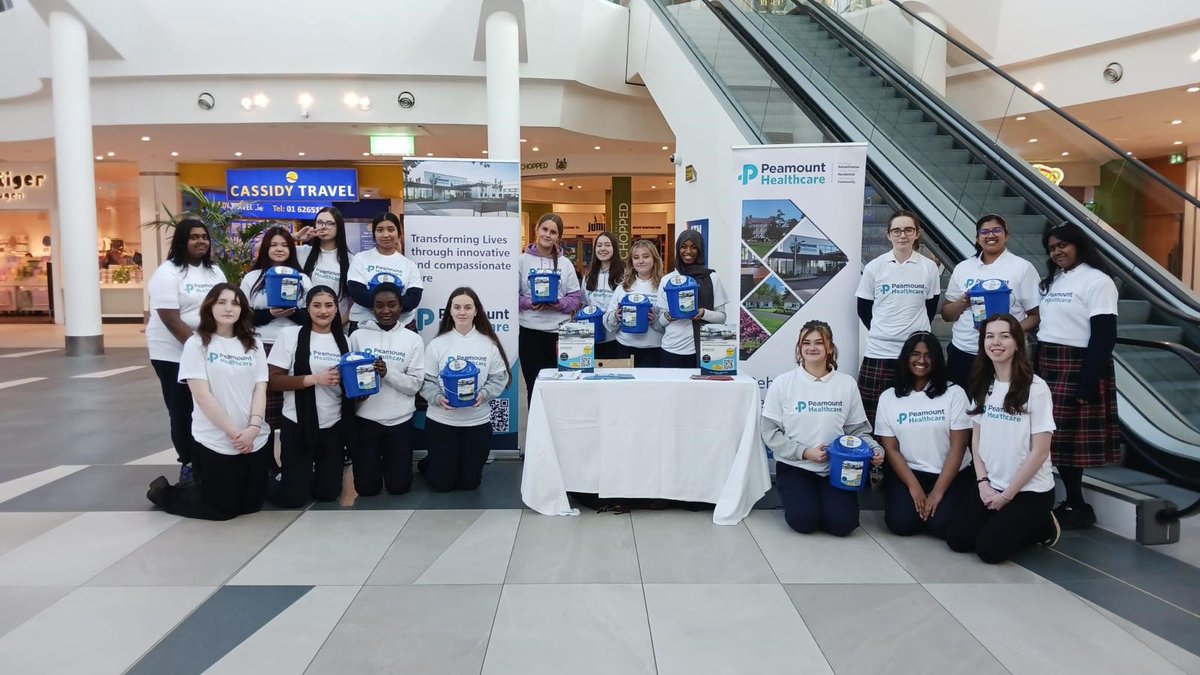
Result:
pixel 392 218
pixel 178 253
pixel 556 250
pixel 904 381
pixel 987 218
pixel 336 326
pixel 343 249
pixel 983 371
pixel 1071 233
pixel 263 260
pixel 616 266
pixel 482 323
pixel 243 328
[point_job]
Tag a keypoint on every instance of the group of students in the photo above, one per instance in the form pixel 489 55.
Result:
pixel 990 413
pixel 232 369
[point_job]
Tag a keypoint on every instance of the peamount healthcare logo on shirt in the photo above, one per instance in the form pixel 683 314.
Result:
pixel 816 407
pixel 386 354
pixel 901 289
pixel 995 412
pixel 479 361
pixel 198 287
pixel 240 360
pixel 371 269
pixel 921 417
pixel 322 355
pixel 1058 298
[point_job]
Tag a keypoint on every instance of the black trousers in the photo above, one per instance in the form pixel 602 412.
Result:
pixel 958 366
pixel 607 350
pixel 899 512
pixel 811 503
pixel 995 536
pixel 178 399
pixel 643 357
pixel 382 457
pixel 456 455
pixel 671 360
pixel 229 485
pixel 309 471
pixel 537 349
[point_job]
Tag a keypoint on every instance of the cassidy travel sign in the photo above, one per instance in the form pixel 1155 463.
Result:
pixel 292 185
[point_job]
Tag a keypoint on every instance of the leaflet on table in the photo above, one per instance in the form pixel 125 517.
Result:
pixel 610 376
pixel 561 375
pixel 577 346
pixel 718 350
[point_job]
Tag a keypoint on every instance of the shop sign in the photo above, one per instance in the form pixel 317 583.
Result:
pixel 25 187
pixel 268 209
pixel 535 166
pixel 622 214
pixel 292 185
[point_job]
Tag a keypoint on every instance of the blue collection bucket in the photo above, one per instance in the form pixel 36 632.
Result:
pixel 849 463
pixel 283 286
pixel 595 316
pixel 988 297
pixel 683 297
pixel 359 378
pixel 543 286
pixel 460 383
pixel 634 313
pixel 385 278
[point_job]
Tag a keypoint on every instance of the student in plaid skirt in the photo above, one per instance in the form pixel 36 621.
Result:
pixel 1077 336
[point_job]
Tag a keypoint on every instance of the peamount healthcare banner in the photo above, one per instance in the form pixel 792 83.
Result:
pixel 462 227
pixel 800 248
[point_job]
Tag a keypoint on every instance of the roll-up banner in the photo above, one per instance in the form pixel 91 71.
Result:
pixel 800 247
pixel 462 222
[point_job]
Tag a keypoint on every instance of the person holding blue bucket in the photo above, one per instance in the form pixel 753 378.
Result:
pixel 631 313
pixel 465 368
pixel 1012 422
pixel 992 261
pixel 385 259
pixel 317 417
pixel 549 295
pixel 328 261
pixel 382 453
pixel 691 295
pixel 922 424
pixel 605 272
pixel 811 413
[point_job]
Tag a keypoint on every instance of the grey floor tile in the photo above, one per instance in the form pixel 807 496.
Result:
pixel 729 628
pixel 570 628
pixel 413 629
pixel 871 629
pixel 12 471
pixel 95 488
pixel 18 528
pixel 425 536
pixel 1050 564
pixel 683 547
pixel 287 644
pixel 132 621
pixel 820 558
pixel 17 487
pixel 197 552
pixel 325 548
pixel 1043 628
pixel 79 549
pixel 501 489
pixel 19 604
pixel 1135 564
pixel 1151 613
pixel 1187 661
pixel 589 548
pixel 480 554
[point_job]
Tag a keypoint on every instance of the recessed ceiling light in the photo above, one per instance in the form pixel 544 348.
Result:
pixel 112 154
pixel 1176 122
pixel 670 183
pixel 350 99
pixel 653 187
pixel 261 100
pixel 666 147
pixel 1021 118
pixel 366 154
pixel 1130 153
pixel 1066 154
pixel 1177 143
pixel 247 103
pixel 300 153
pixel 535 148
pixel 174 154
pixel 596 147
pixel 1196 55
pixel 1033 140
pixel 145 138
pixel 485 152
pixel 429 154
pixel 100 158
pixel 523 140
pixel 1038 87
pixel 579 187
pixel 305 100
pixel 1192 90
pixel 237 154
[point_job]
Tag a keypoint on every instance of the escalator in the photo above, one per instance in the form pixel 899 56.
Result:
pixel 797 71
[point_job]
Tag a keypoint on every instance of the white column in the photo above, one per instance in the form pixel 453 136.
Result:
pixel 929 52
pixel 158 187
pixel 1191 221
pixel 76 184
pixel 502 51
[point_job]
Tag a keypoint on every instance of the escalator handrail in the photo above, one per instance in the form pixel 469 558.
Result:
pixel 1191 357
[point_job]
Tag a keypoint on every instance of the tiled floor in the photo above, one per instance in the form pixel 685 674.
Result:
pixel 94 580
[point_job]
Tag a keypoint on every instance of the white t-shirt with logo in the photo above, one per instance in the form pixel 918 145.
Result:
pixel 1004 439
pixel 1016 271
pixel 231 373
pixel 323 354
pixel 899 291
pixel 922 426
pixel 369 263
pixel 181 288
pixel 678 337
pixel 601 297
pixel 813 411
pixel 327 271
pixel 653 336
pixel 270 331
pixel 568 282
pixel 1074 298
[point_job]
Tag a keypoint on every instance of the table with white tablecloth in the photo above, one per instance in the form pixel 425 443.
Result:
pixel 660 435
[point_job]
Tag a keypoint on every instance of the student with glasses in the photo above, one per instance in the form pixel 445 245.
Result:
pixel 897 296
pixel 992 260
pixel 327 263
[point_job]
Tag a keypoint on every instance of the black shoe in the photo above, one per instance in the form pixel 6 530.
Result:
pixel 421 464
pixel 157 494
pixel 1075 516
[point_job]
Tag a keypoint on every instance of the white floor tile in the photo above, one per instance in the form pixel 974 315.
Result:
pixel 683 547
pixel 480 554
pixel 591 548
pixel 425 536
pixel 18 528
pixel 164 458
pixel 20 603
pixel 820 558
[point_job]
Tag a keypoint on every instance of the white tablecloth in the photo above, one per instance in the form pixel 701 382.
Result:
pixel 661 435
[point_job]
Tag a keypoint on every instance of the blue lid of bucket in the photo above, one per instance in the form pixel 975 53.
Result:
pixel 588 312
pixel 635 299
pixel 282 271
pixel 384 278
pixel 461 367
pixel 533 272
pixel 682 281
pixel 851 446
pixel 985 286
pixel 356 357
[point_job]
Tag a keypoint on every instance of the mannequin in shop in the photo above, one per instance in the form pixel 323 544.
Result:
pixel 681 337
pixel 605 271
pixel 538 340
pixel 328 262
pixel 387 258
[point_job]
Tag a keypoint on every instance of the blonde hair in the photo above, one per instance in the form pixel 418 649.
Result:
pixel 656 274
pixel 826 333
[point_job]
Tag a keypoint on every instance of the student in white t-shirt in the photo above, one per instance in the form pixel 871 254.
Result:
pixel 314 431
pixel 897 296
pixel 385 258
pixel 681 337
pixel 176 290
pixel 922 424
pixel 643 276
pixel 537 341
pixel 328 262
pixel 460 439
pixel 805 410
pixel 605 271
pixel 383 453
pixel 1075 357
pixel 992 260
pixel 1011 425
pixel 225 368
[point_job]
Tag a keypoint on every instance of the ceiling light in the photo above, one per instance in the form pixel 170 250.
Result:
pixel 523 140
pixel 1192 90
pixel 429 154
pixel 300 153
pixel 653 187
pixel 1196 55
pixel 670 183
pixel 261 100
pixel 305 100
pixel 364 103
pixel 1033 140
pixel 247 103
pixel 145 138
pixel 400 146
pixel 1021 118
pixel 596 147
pixel 1130 153
pixel 366 154
pixel 1177 143
pixel 579 187
pixel 112 154
pixel 535 148
pixel 1038 87
pixel 1066 154
pixel 1176 122
pixel 100 158
pixel 174 154
pixel 350 99
pixel 666 147
pixel 237 154
pixel 485 152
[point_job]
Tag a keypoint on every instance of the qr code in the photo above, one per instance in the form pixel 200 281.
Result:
pixel 499 415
